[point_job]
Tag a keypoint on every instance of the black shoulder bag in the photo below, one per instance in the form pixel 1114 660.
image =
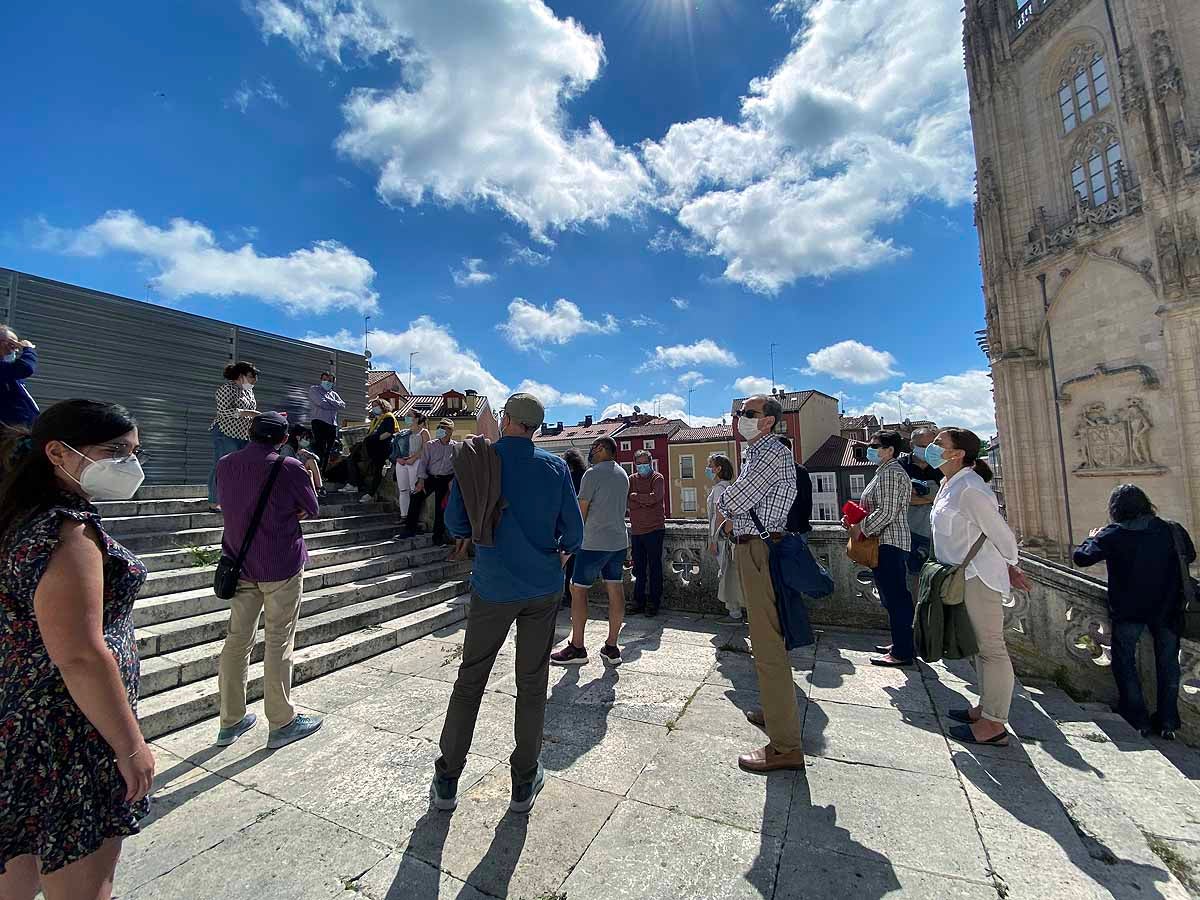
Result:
pixel 229 571
pixel 1191 608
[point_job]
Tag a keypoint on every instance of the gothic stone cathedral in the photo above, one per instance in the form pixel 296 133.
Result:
pixel 1087 142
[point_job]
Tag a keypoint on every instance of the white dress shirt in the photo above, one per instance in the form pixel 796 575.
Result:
pixel 965 508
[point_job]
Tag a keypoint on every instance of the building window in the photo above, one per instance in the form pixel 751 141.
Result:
pixel 1083 93
pixel 648 445
pixel 628 467
pixel 822 483
pixel 626 445
pixel 858 484
pixel 824 511
pixel 688 495
pixel 783 426
pixel 1097 179
pixel 687 467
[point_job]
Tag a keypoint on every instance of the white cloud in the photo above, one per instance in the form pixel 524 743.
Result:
pixel 604 388
pixel 669 406
pixel 529 325
pixel 551 396
pixel 692 379
pixel 750 385
pixel 703 352
pixel 852 361
pixel 865 115
pixel 471 274
pixel 963 401
pixel 247 93
pixel 318 279
pixel 522 253
pixel 644 321
pixel 479 111
pixel 441 363
pixel 680 302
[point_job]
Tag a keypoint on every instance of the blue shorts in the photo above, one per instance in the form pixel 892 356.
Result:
pixel 607 564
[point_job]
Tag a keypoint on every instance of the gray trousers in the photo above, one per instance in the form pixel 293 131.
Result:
pixel 488 625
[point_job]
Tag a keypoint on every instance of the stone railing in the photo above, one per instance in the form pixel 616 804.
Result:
pixel 1049 237
pixel 1026 14
pixel 1058 631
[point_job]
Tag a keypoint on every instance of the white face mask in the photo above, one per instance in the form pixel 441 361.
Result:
pixel 109 479
pixel 748 428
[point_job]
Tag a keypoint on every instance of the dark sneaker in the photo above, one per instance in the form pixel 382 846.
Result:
pixel 636 610
pixel 525 795
pixel 227 736
pixel 443 793
pixel 570 655
pixel 610 655
pixel 296 730
pixel 651 612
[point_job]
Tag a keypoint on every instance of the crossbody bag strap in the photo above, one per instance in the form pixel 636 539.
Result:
pixel 258 512
pixel 975 550
pixel 762 532
pixel 1189 589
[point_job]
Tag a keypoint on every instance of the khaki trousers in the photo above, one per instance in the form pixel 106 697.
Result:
pixel 281 600
pixel 775 685
pixel 985 609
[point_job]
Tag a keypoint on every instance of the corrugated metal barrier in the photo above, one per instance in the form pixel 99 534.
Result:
pixel 164 365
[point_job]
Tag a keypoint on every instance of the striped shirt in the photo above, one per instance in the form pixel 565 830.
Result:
pixel 277 551
pixel 766 484
pixel 886 502
pixel 437 459
pixel 232 396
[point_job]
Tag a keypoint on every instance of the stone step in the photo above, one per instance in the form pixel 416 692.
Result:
pixel 211 535
pixel 180 605
pixel 173 581
pixel 180 667
pixel 179 634
pixel 191 703
pixel 121 526
pixel 161 560
pixel 171 492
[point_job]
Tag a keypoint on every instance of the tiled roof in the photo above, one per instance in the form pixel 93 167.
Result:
pixel 433 407
pixel 579 432
pixel 791 402
pixel 378 375
pixel 697 435
pixel 654 429
pixel 836 453
pixel 856 422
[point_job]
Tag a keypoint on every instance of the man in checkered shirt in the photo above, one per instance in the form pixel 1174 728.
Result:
pixel 766 485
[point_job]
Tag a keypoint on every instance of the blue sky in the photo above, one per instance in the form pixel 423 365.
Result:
pixel 614 202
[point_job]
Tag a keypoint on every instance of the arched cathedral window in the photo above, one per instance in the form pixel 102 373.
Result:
pixel 1084 89
pixel 1097 166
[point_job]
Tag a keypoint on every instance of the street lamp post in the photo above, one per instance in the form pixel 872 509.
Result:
pixel 691 391
pixel 410 359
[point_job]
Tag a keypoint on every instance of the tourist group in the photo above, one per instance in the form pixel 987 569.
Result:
pixel 76 773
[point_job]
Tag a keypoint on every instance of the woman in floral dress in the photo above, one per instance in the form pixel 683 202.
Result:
pixel 74 768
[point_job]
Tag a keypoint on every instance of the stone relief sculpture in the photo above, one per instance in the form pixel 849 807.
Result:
pixel 1133 88
pixel 1119 440
pixel 1189 250
pixel 1167 76
pixel 1168 255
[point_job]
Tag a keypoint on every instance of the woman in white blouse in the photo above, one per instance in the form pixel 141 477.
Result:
pixel 236 408
pixel 729 589
pixel 965 509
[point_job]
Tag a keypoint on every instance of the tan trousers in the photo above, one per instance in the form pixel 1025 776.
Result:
pixel 775 685
pixel 985 609
pixel 281 600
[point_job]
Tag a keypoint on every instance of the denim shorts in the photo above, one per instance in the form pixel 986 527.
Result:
pixel 606 564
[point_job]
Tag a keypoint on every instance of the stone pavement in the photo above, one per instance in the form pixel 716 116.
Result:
pixel 644 798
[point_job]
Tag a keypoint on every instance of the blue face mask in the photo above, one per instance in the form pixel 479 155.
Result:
pixel 441 433
pixel 328 385
pixel 644 469
pixel 710 474
pixel 873 455
pixel 935 456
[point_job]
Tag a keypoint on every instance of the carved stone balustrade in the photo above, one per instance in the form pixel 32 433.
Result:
pixel 1085 221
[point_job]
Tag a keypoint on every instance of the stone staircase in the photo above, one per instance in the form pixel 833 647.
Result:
pixel 364 593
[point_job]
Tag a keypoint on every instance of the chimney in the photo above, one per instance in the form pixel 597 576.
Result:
pixel 587 421
pixel 471 402
pixel 560 426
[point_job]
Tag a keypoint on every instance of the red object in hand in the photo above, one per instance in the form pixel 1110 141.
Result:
pixel 853 513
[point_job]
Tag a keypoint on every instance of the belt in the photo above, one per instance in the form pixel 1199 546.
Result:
pixel 775 537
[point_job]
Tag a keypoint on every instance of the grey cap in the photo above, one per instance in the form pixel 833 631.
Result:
pixel 269 426
pixel 526 409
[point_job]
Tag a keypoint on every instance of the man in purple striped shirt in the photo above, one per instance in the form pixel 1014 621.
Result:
pixel 272 578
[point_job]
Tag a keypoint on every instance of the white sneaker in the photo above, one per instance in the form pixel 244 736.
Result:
pixel 348 489
pixel 366 498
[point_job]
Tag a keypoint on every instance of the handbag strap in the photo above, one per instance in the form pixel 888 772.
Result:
pixel 258 512
pixel 762 532
pixel 974 550
pixel 1189 589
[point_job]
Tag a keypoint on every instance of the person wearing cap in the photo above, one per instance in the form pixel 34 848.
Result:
pixel 272 579
pixel 516 580
pixel 435 471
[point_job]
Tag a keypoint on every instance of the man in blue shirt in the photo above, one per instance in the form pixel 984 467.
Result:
pixel 518 579
pixel 18 361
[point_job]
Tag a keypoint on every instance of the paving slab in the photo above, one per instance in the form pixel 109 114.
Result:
pixel 877 737
pixel 493 736
pixel 685 661
pixel 647 853
pixel 504 854
pixel 401 876
pixel 402 711
pixel 285 853
pixel 869 686
pixel 867 811
pixel 587 745
pixel 698 774
pixel 336 690
pixel 417 657
pixel 814 873
pixel 721 711
pixel 653 699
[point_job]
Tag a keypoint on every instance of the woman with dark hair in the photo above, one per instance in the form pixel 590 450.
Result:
pixel 886 501
pixel 1145 591
pixel 74 768
pixel 965 514
pixel 576 465
pixel 299 439
pixel 236 407
pixel 729 589
pixel 406 453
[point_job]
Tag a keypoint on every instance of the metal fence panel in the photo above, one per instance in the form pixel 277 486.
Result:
pixel 163 364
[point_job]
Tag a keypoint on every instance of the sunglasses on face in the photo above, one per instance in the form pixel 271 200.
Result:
pixel 751 414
